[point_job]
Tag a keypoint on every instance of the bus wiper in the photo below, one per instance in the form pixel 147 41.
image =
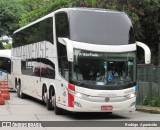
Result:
pixel 80 82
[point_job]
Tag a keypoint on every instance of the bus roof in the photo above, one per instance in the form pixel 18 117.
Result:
pixel 67 10
pixel 5 53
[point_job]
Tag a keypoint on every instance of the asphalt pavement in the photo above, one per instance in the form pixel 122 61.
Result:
pixel 30 109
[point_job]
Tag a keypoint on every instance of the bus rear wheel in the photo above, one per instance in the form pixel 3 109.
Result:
pixel 44 94
pixel 51 100
pixel 19 91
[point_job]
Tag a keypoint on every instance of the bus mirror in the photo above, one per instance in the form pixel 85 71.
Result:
pixel 146 51
pixel 69 48
pixel 70 52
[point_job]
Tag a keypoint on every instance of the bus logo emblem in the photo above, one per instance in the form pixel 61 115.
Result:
pixel 107 99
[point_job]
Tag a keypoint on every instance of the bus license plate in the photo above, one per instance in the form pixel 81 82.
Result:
pixel 106 107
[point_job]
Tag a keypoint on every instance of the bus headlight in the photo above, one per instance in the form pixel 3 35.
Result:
pixel 77 94
pixel 131 95
pixel 71 90
pixel 80 95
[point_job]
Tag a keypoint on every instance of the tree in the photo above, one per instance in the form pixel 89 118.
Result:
pixel 10 14
pixel 37 9
pixel 7 46
pixel 150 24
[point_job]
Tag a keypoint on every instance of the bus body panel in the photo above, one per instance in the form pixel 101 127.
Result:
pixel 93 100
pixel 96 106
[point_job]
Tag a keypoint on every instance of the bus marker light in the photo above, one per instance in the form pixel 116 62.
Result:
pixel 59 99
pixel 71 87
pixel 132 95
pixel 70 100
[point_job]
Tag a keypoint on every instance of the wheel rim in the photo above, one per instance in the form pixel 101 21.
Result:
pixel 45 97
pixel 20 93
pixel 17 89
pixel 53 101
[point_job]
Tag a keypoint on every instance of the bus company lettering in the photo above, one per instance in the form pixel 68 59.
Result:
pixel 89 54
pixel 107 94
pixel 40 49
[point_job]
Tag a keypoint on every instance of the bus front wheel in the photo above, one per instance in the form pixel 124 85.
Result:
pixel 57 110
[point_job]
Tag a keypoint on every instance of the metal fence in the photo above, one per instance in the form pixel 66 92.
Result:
pixel 148 77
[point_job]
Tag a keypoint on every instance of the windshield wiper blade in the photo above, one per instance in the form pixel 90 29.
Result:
pixel 80 82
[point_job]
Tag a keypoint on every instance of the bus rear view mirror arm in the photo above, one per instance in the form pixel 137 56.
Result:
pixel 146 51
pixel 69 48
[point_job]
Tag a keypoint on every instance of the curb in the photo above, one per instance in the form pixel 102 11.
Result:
pixel 149 109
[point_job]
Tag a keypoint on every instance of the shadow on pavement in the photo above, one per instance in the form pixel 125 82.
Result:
pixel 93 116
pixel 80 115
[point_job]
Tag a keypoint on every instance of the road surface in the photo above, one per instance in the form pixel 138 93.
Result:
pixel 30 109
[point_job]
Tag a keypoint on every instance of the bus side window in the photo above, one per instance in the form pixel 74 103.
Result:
pixel 65 66
pixel 62 30
pixel 9 66
pixel 5 64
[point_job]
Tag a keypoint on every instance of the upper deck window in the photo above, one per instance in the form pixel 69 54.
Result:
pixel 41 31
pixel 100 27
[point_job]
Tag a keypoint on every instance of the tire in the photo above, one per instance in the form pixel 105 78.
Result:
pixel 57 110
pixel 22 95
pixel 18 89
pixel 51 100
pixel 19 92
pixel 43 95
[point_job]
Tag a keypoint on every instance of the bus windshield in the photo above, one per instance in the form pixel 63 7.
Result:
pixel 103 68
pixel 111 28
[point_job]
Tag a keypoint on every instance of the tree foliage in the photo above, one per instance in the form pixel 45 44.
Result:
pixel 7 46
pixel 39 10
pixel 10 15
pixel 150 26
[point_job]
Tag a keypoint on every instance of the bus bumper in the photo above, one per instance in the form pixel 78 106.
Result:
pixel 81 105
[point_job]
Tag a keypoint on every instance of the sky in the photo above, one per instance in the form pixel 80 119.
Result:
pixel 6 38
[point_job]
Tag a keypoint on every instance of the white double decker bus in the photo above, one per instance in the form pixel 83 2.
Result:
pixel 78 59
